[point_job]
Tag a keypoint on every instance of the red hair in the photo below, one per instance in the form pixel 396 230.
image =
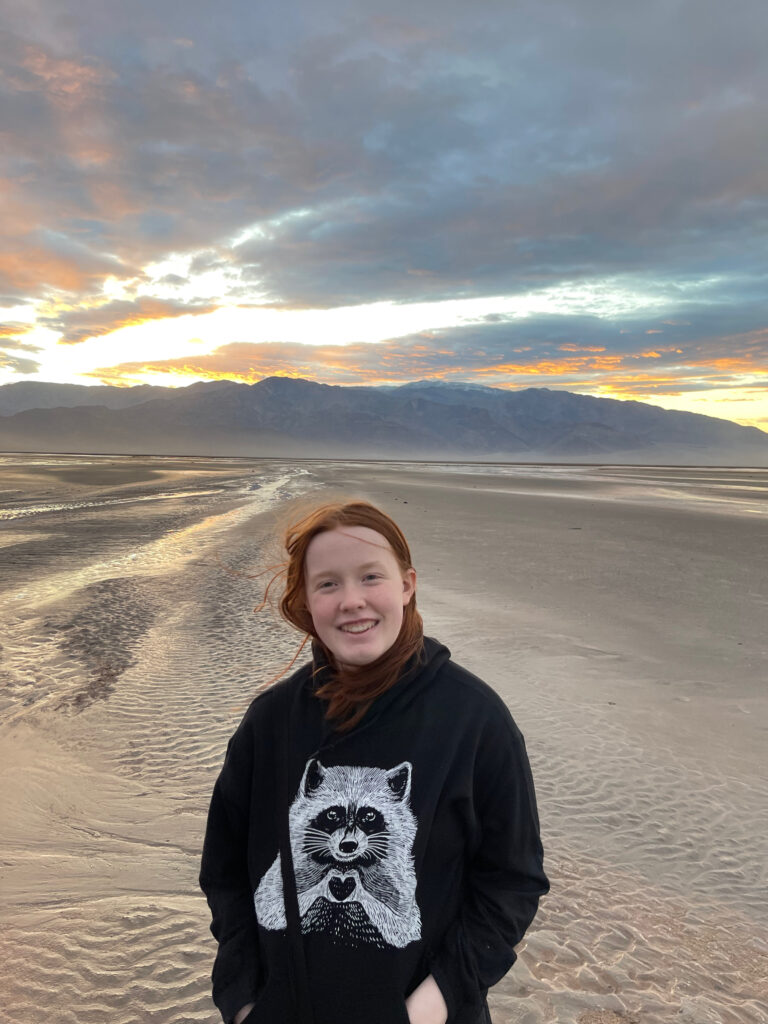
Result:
pixel 350 691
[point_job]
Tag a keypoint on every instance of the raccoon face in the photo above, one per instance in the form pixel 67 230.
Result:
pixel 348 835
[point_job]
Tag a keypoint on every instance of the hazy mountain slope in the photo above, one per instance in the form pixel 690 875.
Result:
pixel 31 394
pixel 283 416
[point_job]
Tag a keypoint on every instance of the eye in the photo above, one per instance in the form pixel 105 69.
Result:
pixel 369 816
pixel 332 815
pixel 372 576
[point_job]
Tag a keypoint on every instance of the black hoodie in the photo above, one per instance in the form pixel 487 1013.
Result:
pixel 414 850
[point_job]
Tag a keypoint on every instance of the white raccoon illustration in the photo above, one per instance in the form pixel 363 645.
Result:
pixel 352 831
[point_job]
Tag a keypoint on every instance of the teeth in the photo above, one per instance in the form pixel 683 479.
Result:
pixel 361 628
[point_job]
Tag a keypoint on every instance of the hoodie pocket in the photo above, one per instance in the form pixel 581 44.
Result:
pixel 272 1004
pixel 369 1007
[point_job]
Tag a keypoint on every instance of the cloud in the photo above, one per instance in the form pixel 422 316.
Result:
pixel 12 340
pixel 405 156
pixel 78 325
pixel 11 330
pixel 17 364
pixel 65 82
pixel 516 353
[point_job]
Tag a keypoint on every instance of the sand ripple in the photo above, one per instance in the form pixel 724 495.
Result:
pixel 126 960
pixel 112 738
pixel 129 654
pixel 632 953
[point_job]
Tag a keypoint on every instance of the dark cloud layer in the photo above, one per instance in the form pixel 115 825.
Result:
pixel 412 152
pixel 434 152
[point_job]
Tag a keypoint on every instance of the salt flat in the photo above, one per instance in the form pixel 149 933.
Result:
pixel 621 612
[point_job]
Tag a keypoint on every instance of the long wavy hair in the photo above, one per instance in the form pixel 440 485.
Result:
pixel 349 690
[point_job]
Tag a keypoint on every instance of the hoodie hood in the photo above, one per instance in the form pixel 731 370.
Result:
pixel 419 673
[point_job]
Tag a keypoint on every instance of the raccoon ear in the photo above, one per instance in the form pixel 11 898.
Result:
pixel 313 777
pixel 399 780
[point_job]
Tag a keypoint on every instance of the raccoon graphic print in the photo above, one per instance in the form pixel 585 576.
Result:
pixel 352 832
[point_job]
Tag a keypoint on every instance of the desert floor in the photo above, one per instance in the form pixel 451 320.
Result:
pixel 622 613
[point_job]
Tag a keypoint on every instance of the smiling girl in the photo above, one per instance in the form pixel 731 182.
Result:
pixel 372 853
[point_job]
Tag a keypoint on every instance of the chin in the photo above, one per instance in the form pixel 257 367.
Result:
pixel 357 660
pixel 358 657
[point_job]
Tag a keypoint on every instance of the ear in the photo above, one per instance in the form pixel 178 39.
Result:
pixel 312 778
pixel 399 780
pixel 409 585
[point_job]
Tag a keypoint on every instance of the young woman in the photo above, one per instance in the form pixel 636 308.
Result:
pixel 372 853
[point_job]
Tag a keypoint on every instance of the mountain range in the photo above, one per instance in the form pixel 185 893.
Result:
pixel 281 416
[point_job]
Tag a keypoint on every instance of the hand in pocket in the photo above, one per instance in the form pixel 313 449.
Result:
pixel 425 1005
pixel 243 1013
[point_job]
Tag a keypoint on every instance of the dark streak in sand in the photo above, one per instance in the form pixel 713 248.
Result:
pixel 103 635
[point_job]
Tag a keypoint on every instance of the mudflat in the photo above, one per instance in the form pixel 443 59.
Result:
pixel 620 611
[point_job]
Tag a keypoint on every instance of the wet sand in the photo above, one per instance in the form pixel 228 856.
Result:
pixel 620 612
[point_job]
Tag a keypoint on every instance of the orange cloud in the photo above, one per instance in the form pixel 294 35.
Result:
pixel 741 363
pixel 578 368
pixel 14 330
pixel 24 270
pixel 375 363
pixel 65 82
pixel 78 325
pixel 383 362
pixel 28 265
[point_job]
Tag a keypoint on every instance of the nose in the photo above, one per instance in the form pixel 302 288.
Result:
pixel 352 597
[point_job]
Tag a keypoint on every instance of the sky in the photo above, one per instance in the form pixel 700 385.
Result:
pixel 569 194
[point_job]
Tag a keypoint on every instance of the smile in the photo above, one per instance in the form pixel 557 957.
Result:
pixel 359 627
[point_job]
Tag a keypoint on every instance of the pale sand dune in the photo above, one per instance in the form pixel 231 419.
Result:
pixel 621 615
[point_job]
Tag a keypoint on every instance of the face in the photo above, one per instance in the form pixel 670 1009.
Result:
pixel 356 593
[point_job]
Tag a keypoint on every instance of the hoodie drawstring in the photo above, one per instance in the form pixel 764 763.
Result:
pixel 296 959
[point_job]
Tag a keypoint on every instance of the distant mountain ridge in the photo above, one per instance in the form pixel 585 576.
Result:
pixel 32 394
pixel 423 419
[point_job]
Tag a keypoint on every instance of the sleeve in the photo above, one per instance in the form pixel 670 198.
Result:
pixel 224 878
pixel 504 880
